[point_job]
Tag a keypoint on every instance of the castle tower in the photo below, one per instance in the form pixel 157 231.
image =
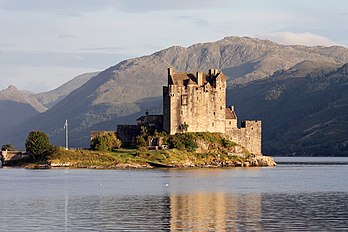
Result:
pixel 194 103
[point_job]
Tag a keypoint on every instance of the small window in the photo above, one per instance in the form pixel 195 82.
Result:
pixel 214 113
pixel 230 123
pixel 184 100
pixel 212 124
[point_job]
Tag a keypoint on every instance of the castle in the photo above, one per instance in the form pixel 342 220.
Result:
pixel 197 103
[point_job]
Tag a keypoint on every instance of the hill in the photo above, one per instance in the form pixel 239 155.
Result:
pixel 123 92
pixel 16 108
pixel 50 98
pixel 302 114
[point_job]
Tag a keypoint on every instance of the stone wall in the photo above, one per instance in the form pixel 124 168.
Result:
pixel 127 134
pixel 13 155
pixel 198 103
pixel 249 136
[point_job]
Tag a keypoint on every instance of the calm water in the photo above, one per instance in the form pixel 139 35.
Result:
pixel 301 194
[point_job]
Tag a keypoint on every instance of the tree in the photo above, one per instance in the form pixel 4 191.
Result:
pixel 140 142
pixel 105 141
pixel 8 147
pixel 38 145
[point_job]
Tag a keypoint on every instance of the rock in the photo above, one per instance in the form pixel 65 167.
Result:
pixel 265 161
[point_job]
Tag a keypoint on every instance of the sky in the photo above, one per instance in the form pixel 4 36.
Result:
pixel 45 43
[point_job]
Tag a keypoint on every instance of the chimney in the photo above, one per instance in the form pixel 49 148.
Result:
pixel 170 75
pixel 170 72
pixel 232 108
pixel 199 76
pixel 213 72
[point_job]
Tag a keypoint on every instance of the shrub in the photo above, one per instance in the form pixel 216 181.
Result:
pixel 39 146
pixel 105 141
pixel 183 141
pixel 226 143
pixel 8 147
pixel 140 142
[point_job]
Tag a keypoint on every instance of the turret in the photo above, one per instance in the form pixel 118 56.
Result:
pixel 170 75
pixel 199 76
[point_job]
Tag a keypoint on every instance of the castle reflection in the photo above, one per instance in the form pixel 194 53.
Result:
pixel 214 211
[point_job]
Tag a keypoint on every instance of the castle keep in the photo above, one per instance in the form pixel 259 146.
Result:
pixel 194 103
pixel 197 103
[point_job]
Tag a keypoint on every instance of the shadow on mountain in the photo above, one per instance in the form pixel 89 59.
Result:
pixel 13 113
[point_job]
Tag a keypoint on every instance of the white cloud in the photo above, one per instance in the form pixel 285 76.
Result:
pixel 292 38
pixel 73 8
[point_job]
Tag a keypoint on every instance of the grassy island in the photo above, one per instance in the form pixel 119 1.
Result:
pixel 185 150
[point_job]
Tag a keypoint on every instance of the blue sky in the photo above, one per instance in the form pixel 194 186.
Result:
pixel 44 43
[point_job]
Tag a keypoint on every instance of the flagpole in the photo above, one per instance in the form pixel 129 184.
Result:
pixel 66 135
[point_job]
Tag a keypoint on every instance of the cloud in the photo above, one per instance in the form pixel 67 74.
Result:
pixel 108 50
pixel 66 36
pixel 69 7
pixel 304 38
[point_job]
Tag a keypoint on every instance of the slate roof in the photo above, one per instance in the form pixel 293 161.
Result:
pixel 230 114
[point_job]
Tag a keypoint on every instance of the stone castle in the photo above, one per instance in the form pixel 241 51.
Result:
pixel 197 103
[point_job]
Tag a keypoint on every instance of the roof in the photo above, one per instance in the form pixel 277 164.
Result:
pixel 230 114
pixel 150 117
pixel 184 79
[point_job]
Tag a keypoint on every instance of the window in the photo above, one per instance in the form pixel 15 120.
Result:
pixel 230 123
pixel 212 124
pixel 184 100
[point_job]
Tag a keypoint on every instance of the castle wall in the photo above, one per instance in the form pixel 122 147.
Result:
pixel 231 124
pixel 127 133
pixel 202 108
pixel 249 136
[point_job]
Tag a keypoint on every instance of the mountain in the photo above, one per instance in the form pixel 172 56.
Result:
pixel 16 108
pixel 302 114
pixel 50 98
pixel 123 92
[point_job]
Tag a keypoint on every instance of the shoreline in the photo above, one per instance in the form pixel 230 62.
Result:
pixel 193 160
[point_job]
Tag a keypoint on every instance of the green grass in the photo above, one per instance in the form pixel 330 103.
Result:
pixel 86 158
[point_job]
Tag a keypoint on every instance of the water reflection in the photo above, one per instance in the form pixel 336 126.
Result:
pixel 193 212
pixel 214 211
pixel 284 198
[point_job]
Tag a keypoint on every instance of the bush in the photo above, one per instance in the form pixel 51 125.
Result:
pixel 8 147
pixel 105 141
pixel 39 146
pixel 140 142
pixel 226 143
pixel 183 141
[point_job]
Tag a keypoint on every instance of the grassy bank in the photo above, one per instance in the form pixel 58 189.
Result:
pixel 186 150
pixel 132 158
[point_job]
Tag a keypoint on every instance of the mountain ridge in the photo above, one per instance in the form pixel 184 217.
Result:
pixel 17 107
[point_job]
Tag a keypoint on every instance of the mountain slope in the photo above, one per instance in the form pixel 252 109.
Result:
pixel 16 108
pixel 305 115
pixel 122 92
pixel 50 98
